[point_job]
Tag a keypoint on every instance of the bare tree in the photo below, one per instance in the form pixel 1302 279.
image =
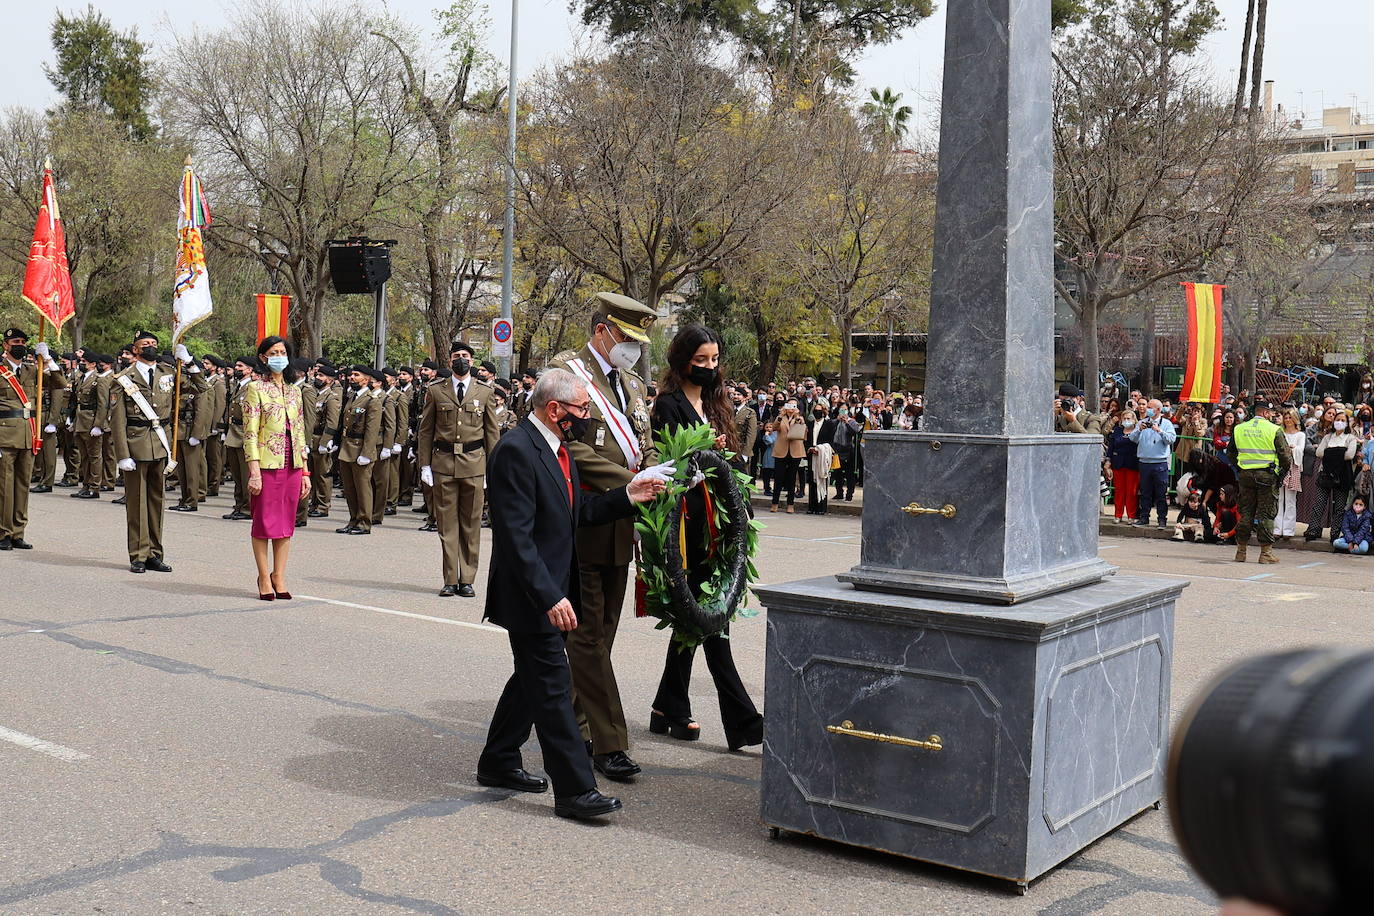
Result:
pixel 303 133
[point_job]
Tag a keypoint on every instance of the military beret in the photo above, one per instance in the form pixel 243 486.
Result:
pixel 146 335
pixel 105 358
pixel 166 359
pixel 489 366
pixel 429 364
pixel 444 373
pixel 301 363
pixel 461 347
pixel 325 366
pixel 388 370
pixel 69 355
pixel 400 369
pixel 1068 390
pixel 529 373
pixel 15 334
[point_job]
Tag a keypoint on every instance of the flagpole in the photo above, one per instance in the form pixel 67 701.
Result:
pixel 38 398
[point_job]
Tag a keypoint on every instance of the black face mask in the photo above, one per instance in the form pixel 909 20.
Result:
pixel 149 353
pixel 574 428
pixel 703 376
pixel 460 367
pixel 320 383
pixel 239 374
pixel 19 351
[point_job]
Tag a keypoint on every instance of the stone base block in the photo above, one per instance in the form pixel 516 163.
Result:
pixel 999 740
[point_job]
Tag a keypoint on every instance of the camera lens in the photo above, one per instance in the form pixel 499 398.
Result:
pixel 1271 781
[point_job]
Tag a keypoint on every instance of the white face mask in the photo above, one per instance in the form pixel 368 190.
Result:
pixel 625 355
pixel 1338 426
pixel 1127 424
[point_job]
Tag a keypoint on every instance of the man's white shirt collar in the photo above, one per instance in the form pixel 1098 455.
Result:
pixel 553 440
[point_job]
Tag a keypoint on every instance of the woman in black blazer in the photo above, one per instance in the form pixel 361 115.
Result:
pixel 692 392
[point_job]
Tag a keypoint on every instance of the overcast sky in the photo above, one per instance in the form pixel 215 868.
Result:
pixel 1317 52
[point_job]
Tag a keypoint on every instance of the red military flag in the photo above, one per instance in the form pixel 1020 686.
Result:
pixel 1202 379
pixel 47 278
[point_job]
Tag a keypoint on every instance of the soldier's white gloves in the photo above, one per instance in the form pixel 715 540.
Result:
pixel 323 449
pixel 363 461
pixel 97 432
pixel 663 472
pixel 386 453
pixel 700 476
pixel 41 348
pixel 181 353
pixel 396 448
pixel 426 476
pixel 50 428
pixel 192 441
pixel 126 464
pixel 333 446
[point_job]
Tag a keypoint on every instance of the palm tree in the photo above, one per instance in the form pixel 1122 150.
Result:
pixel 1257 67
pixel 887 115
pixel 1244 62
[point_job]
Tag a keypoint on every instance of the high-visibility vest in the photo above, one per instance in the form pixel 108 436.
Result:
pixel 1255 444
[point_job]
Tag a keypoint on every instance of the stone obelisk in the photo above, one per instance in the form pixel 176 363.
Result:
pixel 979 691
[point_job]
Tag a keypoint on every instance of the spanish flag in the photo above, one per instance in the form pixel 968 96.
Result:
pixel 273 311
pixel 1202 380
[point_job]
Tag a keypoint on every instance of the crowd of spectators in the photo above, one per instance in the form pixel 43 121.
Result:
pixel 1158 454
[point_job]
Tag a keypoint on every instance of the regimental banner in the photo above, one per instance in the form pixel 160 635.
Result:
pixel 273 312
pixel 191 288
pixel 47 276
pixel 1202 379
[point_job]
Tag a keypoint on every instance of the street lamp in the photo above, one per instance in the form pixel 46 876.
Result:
pixel 508 235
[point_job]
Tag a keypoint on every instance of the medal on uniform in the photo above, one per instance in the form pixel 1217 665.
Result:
pixel 601 437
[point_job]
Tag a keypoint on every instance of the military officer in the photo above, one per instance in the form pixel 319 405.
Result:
pixel 66 435
pixel 520 405
pixel 746 421
pixel 324 436
pixel 410 394
pixel 244 367
pixel 381 472
pixel 429 371
pixel 195 419
pixel 617 443
pixel 214 367
pixel 458 429
pixel 45 462
pixel 143 397
pixel 360 447
pixel 92 399
pixel 20 430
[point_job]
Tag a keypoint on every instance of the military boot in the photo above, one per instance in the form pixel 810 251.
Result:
pixel 1267 554
pixel 1240 553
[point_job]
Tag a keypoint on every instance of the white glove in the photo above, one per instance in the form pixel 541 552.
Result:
pixel 126 464
pixel 41 348
pixel 426 476
pixel 386 453
pixel 50 428
pixel 192 441
pixel 663 472
pixel 97 432
pixel 221 437
pixel 410 452
pixel 333 446
pixel 323 449
pixel 363 461
pixel 700 476
pixel 396 448
pixel 52 366
pixel 181 353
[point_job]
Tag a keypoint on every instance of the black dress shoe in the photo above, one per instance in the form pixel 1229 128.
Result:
pixel 361 531
pixel 67 484
pixel 589 804
pixel 346 529
pixel 20 544
pixel 388 512
pixel 107 489
pixel 300 524
pixel 317 514
pixel 616 765
pixel 136 566
pixel 428 526
pixel 5 544
pixel 422 509
pixel 448 591
pixel 41 488
pixel 236 516
pixel 85 494
pixel 156 565
pixel 516 779
pixel 465 591
pixel 185 509
pixel 123 501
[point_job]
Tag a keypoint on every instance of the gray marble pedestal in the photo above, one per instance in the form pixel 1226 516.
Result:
pixel 1034 729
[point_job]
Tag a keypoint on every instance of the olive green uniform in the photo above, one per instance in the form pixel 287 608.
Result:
pixel 233 445
pixel 45 462
pixel 194 421
pixel 214 446
pixel 324 434
pixel 604 553
pixel 133 436
pixel 16 442
pixel 362 427
pixel 308 411
pixel 456 435
pixel 92 412
pixel 381 474
pixel 1258 498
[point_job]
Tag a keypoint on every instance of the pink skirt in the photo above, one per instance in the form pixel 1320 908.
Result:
pixel 274 509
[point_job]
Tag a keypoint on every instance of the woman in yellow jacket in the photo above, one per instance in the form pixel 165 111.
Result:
pixel 274 446
pixel 788 453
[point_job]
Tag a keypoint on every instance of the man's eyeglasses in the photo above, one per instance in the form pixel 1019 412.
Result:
pixel 581 410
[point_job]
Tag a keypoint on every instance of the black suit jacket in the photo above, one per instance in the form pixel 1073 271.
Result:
pixel 534 553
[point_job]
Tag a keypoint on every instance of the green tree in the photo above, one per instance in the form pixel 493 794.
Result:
pixel 101 69
pixel 887 115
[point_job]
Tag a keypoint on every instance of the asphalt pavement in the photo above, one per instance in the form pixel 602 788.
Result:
pixel 171 744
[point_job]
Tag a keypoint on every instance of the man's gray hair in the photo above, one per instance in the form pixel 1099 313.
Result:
pixel 555 385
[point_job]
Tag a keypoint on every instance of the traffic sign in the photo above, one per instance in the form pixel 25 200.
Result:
pixel 502 336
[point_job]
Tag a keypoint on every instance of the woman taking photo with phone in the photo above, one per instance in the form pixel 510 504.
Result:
pixel 274 447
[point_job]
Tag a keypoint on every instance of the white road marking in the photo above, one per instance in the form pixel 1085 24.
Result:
pixel 1310 565
pixel 1258 576
pixel 783 537
pixel 43 747
pixel 387 610
pixel 1108 546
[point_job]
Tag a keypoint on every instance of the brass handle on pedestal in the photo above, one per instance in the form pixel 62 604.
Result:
pixel 933 743
pixel 946 511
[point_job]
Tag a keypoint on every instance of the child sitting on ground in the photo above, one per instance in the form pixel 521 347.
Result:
pixel 1192 523
pixel 1228 516
pixel 1355 528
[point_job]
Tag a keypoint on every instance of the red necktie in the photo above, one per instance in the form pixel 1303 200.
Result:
pixel 566 465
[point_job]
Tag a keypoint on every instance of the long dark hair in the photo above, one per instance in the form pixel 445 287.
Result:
pixel 720 410
pixel 288 375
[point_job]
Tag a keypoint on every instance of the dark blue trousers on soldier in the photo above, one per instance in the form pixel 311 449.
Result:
pixel 1154 490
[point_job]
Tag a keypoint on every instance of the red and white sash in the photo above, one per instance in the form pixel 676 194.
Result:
pixel 8 376
pixel 620 426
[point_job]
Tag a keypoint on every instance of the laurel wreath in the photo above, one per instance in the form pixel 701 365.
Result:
pixel 695 614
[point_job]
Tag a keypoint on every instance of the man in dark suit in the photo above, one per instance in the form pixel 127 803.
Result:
pixel 533 590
